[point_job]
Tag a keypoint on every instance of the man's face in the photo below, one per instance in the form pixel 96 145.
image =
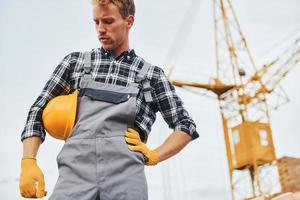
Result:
pixel 111 28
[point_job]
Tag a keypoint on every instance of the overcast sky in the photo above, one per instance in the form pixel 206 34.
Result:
pixel 36 35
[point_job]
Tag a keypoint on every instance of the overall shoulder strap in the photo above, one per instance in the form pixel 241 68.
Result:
pixel 142 74
pixel 87 62
pixel 141 78
pixel 87 68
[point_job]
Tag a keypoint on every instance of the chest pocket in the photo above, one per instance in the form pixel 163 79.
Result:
pixel 106 96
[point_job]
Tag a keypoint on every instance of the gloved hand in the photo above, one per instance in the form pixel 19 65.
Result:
pixel 30 174
pixel 135 144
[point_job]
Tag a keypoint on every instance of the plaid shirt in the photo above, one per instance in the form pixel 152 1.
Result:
pixel 119 70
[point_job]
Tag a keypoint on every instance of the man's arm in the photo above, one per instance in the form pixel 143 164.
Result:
pixel 55 86
pixel 171 107
pixel 31 182
pixel 172 145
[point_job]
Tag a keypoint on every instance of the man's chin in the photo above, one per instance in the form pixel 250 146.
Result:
pixel 107 47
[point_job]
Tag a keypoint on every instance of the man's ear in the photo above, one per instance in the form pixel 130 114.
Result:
pixel 129 21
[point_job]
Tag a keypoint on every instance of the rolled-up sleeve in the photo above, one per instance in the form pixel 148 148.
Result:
pixel 171 106
pixel 56 85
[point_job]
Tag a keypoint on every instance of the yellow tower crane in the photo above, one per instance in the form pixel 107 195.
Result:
pixel 242 89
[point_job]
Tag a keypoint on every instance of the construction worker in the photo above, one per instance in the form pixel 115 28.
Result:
pixel 119 94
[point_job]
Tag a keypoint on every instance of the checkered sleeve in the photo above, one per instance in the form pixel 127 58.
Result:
pixel 171 106
pixel 56 85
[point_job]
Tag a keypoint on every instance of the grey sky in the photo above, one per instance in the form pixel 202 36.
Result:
pixel 36 35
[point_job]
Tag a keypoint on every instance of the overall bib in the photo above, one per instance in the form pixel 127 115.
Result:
pixel 95 162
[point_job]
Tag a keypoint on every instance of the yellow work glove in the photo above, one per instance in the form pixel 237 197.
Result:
pixel 135 144
pixel 32 184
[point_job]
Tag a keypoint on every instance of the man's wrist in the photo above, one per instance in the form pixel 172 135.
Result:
pixel 27 157
pixel 31 146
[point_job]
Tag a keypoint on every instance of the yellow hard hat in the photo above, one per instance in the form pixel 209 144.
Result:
pixel 59 115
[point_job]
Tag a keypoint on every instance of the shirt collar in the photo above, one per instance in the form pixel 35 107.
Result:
pixel 129 54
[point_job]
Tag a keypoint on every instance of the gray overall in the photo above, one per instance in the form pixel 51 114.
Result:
pixel 95 162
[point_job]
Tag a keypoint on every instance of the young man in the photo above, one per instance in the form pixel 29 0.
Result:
pixel 119 95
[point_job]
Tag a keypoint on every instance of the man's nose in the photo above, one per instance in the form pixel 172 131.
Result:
pixel 101 28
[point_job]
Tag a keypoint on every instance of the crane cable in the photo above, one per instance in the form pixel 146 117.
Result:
pixel 184 29
pixel 295 32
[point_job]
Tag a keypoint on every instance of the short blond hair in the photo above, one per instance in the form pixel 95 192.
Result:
pixel 126 7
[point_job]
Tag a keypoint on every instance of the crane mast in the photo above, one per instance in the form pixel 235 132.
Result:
pixel 246 122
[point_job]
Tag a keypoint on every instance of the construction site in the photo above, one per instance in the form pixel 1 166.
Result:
pixel 243 90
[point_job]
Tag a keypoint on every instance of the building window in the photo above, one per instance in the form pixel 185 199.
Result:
pixel 236 137
pixel 263 137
